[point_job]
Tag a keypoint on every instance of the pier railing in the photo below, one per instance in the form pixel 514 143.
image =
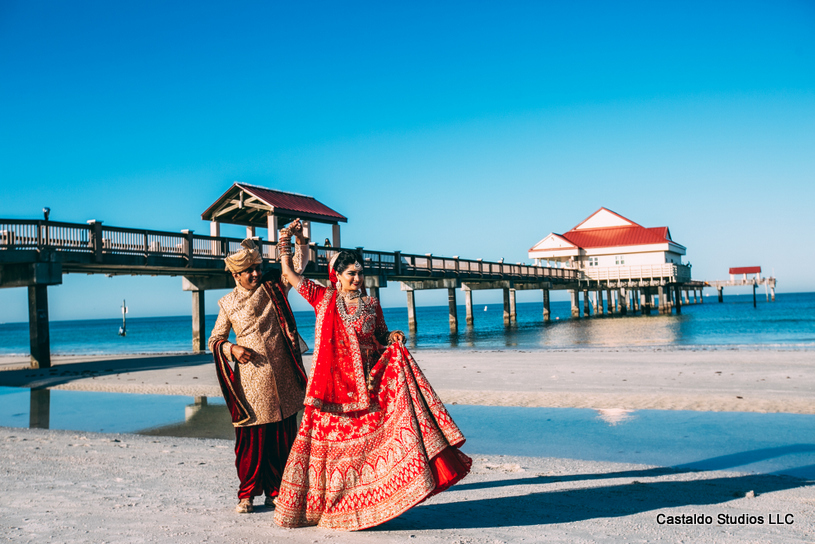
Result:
pixel 673 273
pixel 99 241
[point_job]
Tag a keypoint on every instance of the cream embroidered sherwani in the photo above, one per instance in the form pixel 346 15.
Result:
pixel 269 384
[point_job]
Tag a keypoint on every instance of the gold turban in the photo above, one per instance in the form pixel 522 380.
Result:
pixel 243 259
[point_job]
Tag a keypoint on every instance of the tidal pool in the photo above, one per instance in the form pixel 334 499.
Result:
pixel 684 440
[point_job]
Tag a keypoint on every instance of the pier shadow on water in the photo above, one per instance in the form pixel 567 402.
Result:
pixel 67 372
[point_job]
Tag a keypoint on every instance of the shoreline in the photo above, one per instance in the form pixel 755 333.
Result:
pixel 654 379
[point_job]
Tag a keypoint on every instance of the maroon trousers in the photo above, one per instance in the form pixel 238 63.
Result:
pixel 261 452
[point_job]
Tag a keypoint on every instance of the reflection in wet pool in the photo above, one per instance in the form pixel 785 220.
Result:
pixel 740 441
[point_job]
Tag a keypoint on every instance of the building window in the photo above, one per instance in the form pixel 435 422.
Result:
pixel 593 261
pixel 619 260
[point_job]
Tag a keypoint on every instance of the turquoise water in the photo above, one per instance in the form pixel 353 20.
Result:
pixel 788 323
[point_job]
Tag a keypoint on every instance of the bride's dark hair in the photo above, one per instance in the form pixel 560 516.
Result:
pixel 346 259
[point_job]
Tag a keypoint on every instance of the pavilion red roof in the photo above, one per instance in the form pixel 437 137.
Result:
pixel 618 236
pixel 746 270
pixel 293 202
pixel 231 208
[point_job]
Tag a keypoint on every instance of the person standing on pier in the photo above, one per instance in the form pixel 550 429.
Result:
pixel 265 389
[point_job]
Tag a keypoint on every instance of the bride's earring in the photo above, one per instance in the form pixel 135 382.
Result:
pixel 339 285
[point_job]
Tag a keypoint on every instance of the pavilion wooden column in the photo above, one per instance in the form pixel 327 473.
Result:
pixel 272 227
pixel 215 230
pixel 335 236
pixel 546 313
pixel 199 340
pixel 411 308
pixel 507 319
pixel 468 303
pixel 38 328
pixel 453 310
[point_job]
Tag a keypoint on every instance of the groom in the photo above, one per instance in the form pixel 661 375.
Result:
pixel 266 388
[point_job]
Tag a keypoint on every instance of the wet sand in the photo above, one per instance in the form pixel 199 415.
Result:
pixel 707 380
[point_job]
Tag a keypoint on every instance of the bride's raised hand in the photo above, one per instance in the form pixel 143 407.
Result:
pixel 396 336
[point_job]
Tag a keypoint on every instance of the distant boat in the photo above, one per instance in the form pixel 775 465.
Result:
pixel 485 308
pixel 123 328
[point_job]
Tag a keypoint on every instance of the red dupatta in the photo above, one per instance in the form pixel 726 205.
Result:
pixel 337 376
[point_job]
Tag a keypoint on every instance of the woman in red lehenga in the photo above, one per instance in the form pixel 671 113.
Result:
pixel 375 439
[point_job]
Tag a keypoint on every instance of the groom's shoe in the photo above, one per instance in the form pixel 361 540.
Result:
pixel 245 507
pixel 270 501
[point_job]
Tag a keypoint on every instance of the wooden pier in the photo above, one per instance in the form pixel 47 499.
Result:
pixel 36 253
pixel 739 277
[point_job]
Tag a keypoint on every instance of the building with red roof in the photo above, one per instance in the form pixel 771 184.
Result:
pixel 607 240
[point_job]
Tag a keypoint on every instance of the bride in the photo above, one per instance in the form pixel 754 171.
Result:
pixel 375 439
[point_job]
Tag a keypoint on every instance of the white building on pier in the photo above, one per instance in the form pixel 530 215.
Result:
pixel 608 246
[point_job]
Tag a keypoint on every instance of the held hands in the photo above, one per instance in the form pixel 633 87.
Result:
pixel 296 229
pixel 243 355
pixel 396 336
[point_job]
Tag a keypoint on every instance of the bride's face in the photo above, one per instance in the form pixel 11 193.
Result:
pixel 352 279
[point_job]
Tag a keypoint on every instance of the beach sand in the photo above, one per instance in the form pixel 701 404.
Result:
pixel 86 487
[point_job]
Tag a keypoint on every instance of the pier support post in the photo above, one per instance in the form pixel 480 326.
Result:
pixel 199 342
pixel 39 415
pixel 586 303
pixel 373 291
pixel 546 313
pixel 468 303
pixel 601 307
pixel 646 301
pixel 451 304
pixel 507 318
pixel 622 301
pixel 613 304
pixel 685 296
pixel 38 326
pixel 721 293
pixel 513 312
pixel 661 295
pixel 772 293
pixel 678 300
pixel 575 303
pixel 411 308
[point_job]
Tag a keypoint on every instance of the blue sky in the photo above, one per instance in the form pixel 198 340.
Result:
pixel 469 129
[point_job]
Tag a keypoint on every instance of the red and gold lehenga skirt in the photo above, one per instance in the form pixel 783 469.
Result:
pixel 351 471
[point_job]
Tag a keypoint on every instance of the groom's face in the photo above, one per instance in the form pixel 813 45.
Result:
pixel 249 278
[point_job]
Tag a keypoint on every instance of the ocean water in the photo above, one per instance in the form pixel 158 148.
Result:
pixel 787 323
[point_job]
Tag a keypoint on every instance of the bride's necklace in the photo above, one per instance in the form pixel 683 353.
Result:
pixel 343 303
